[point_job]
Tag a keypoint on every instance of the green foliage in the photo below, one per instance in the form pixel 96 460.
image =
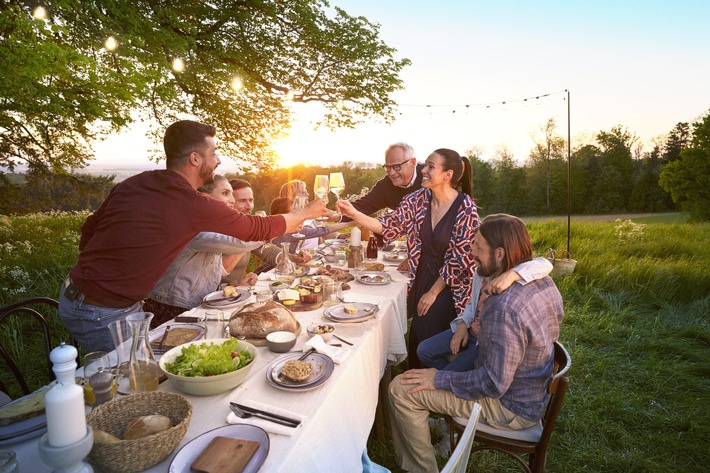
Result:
pixel 636 325
pixel 62 89
pixel 688 178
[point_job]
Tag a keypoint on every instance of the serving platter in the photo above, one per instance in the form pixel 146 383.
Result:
pixel 212 299
pixel 323 367
pixel 365 311
pixel 187 454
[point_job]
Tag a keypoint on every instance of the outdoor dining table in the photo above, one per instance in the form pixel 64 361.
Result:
pixel 338 415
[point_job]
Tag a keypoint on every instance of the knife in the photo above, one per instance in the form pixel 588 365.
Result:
pixel 265 413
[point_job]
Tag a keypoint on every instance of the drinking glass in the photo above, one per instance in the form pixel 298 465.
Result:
pixel 8 462
pixel 299 202
pixel 320 189
pixel 260 213
pixel 337 183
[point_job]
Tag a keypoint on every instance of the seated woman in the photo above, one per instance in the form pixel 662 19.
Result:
pixel 461 340
pixel 283 205
pixel 199 267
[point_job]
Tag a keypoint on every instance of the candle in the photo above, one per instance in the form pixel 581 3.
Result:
pixel 64 403
pixel 355 237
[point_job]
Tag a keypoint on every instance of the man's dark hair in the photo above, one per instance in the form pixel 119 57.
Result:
pixel 507 232
pixel 281 205
pixel 239 184
pixel 182 138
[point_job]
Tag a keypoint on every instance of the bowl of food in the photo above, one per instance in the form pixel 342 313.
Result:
pixel 209 367
pixel 280 342
pixel 276 286
pixel 324 330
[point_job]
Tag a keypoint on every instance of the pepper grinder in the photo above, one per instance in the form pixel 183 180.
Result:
pixel 68 439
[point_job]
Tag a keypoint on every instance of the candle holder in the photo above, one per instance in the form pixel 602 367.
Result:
pixel 68 459
pixel 355 258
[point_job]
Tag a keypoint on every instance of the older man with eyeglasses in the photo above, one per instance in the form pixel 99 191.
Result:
pixel 404 176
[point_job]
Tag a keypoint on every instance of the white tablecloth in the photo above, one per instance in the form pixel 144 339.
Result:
pixel 339 414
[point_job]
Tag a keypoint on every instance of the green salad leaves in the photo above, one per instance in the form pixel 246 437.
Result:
pixel 209 360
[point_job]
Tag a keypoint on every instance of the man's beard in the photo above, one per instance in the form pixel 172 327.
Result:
pixel 206 174
pixel 488 270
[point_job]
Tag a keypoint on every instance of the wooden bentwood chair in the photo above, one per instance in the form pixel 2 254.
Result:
pixel 532 441
pixel 30 320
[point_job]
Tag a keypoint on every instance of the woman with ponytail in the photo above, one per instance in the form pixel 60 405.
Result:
pixel 440 221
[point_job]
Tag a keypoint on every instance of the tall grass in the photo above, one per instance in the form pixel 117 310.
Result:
pixel 637 312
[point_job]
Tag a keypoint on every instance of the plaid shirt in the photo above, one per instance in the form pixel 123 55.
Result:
pixel 516 355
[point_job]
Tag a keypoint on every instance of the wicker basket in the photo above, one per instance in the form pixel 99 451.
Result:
pixel 128 456
pixel 561 265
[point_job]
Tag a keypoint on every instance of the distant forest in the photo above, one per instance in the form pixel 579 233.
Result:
pixel 608 176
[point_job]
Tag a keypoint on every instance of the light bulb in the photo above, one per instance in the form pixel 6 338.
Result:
pixel 339 104
pixel 237 84
pixel 290 95
pixel 178 65
pixel 39 13
pixel 110 44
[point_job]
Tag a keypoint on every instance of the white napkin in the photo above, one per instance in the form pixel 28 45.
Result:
pixel 356 297
pixel 338 354
pixel 267 276
pixel 269 426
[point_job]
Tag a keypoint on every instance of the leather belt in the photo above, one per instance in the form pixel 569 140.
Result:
pixel 72 293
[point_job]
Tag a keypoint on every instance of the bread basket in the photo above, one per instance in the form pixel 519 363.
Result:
pixel 128 456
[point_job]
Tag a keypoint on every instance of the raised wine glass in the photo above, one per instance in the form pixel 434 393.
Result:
pixel 299 203
pixel 337 183
pixel 320 189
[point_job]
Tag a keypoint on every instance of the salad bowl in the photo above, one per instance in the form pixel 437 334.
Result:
pixel 203 384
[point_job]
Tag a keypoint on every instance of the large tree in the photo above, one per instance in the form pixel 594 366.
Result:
pixel 240 65
pixel 688 177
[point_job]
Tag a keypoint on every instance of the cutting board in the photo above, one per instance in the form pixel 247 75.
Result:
pixel 225 455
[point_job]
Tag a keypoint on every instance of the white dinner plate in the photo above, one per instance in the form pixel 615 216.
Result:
pixel 23 430
pixel 323 367
pixel 242 295
pixel 336 242
pixel 365 311
pixel 394 256
pixel 189 453
pixel 373 278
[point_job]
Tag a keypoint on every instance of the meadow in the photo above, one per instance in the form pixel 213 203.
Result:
pixel 637 314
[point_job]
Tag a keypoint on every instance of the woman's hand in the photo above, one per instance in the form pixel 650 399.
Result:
pixel 503 281
pixel 425 302
pixel 249 279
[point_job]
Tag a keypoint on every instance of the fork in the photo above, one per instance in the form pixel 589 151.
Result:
pixel 245 415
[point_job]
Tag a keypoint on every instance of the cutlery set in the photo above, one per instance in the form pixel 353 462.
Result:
pixel 246 412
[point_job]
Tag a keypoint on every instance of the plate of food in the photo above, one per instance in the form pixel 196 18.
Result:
pixel 24 418
pixel 339 275
pixel 227 297
pixel 373 278
pixel 291 374
pixel 336 242
pixel 249 441
pixel 351 312
pixel 171 335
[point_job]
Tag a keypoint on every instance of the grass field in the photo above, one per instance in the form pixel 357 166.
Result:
pixel 636 325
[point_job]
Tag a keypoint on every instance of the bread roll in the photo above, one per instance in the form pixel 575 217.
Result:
pixel 145 426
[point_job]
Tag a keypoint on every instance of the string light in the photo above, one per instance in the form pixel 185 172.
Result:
pixel 39 13
pixel 339 104
pixel 290 95
pixel 178 65
pixel 237 84
pixel 486 105
pixel 110 44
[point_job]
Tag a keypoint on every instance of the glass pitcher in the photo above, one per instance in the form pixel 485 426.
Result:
pixel 285 269
pixel 143 370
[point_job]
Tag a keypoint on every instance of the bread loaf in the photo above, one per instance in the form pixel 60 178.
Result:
pixel 257 321
pixel 146 425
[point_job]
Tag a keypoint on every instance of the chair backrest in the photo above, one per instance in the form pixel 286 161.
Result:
pixel 458 461
pixel 557 389
pixel 28 309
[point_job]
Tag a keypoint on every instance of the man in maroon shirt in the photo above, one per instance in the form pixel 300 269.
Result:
pixel 144 223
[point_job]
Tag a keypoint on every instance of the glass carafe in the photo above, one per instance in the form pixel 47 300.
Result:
pixel 143 370
pixel 285 269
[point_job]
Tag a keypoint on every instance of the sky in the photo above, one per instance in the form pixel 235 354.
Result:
pixel 644 65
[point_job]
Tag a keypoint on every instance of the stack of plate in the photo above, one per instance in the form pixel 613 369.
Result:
pixel 322 369
pixel 364 312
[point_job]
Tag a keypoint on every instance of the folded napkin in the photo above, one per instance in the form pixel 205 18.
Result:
pixel 269 426
pixel 267 276
pixel 356 297
pixel 338 354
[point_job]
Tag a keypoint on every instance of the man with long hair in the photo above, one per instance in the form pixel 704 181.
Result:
pixel 516 356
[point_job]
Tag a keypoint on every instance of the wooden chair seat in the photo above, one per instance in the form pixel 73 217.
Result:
pixel 533 441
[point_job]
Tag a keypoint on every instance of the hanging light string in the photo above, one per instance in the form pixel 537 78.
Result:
pixel 487 105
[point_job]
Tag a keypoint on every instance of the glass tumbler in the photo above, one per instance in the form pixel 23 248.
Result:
pixel 8 462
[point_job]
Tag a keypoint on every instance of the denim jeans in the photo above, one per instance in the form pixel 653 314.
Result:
pixel 88 324
pixel 434 352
